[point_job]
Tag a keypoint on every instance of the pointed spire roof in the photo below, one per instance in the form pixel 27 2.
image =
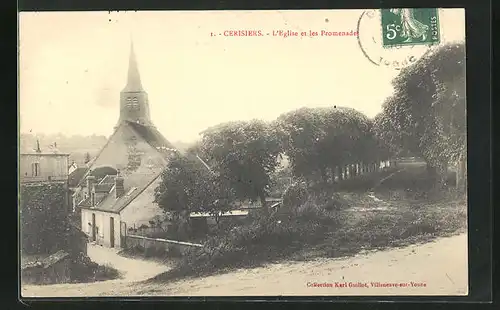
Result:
pixel 134 78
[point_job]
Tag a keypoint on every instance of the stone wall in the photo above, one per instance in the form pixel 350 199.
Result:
pixel 134 241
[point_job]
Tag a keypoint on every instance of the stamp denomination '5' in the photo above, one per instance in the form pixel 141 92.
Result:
pixel 406 26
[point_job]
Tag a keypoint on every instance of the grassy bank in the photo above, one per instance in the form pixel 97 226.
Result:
pixel 329 222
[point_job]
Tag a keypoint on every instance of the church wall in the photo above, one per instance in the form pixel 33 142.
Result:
pixel 142 209
pixel 129 153
pixel 102 222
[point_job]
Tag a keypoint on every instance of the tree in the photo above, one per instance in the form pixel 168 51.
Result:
pixel 188 186
pixel 43 218
pixel 322 139
pixel 299 133
pixel 243 156
pixel 87 158
pixel 426 115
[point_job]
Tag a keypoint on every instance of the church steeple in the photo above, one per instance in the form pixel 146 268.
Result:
pixel 134 78
pixel 134 106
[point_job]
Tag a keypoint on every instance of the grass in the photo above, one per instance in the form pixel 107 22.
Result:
pixel 83 270
pixel 333 223
pixel 158 255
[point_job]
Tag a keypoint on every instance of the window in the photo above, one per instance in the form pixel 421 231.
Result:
pixel 133 103
pixel 35 169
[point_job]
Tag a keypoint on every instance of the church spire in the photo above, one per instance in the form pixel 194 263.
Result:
pixel 134 78
pixel 134 105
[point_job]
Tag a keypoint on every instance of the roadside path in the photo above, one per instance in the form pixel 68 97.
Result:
pixel 441 265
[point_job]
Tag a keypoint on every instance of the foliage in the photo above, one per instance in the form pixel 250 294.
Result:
pixel 188 186
pixel 312 231
pixel 83 270
pixel 321 139
pixel 296 194
pixel 87 158
pixel 242 155
pixel 426 116
pixel 44 218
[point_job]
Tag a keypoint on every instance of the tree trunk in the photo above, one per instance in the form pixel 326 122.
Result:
pixel 334 175
pixel 435 176
pixel 324 175
pixel 263 202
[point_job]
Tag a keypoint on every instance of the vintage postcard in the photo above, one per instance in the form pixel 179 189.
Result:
pixel 243 153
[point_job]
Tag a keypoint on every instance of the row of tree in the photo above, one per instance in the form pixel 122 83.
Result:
pixel 235 161
pixel 426 116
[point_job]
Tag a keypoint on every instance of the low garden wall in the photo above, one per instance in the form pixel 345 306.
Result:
pixel 156 244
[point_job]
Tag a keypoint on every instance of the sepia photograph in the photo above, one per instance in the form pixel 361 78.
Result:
pixel 243 153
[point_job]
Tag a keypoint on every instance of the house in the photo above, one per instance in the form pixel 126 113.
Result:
pixel 117 189
pixel 44 167
pixel 75 176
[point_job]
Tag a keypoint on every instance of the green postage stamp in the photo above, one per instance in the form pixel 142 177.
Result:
pixel 407 26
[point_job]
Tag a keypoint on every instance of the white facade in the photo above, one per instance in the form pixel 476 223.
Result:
pixel 38 167
pixel 142 209
pixel 103 227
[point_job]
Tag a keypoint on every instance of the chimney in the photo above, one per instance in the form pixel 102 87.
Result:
pixel 90 188
pixel 119 186
pixel 90 182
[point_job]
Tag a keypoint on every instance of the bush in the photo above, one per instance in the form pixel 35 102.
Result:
pixel 296 194
pixel 154 252
pixel 267 238
pixel 83 269
pixel 44 218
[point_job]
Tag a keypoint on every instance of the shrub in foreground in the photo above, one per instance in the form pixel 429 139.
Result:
pixel 83 269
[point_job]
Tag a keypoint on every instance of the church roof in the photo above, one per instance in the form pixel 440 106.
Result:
pixel 135 182
pixel 152 136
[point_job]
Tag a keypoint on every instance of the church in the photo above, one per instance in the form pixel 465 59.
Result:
pixel 117 190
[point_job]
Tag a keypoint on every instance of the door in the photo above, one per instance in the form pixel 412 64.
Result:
pixel 123 234
pixel 112 232
pixel 93 227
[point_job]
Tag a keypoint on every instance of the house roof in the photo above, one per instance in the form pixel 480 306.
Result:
pixel 109 179
pixel 134 186
pixel 76 176
pixel 103 188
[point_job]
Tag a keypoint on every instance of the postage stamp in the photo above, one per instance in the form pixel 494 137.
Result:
pixel 407 26
pixel 404 37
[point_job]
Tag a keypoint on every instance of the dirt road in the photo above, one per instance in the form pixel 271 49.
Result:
pixel 436 268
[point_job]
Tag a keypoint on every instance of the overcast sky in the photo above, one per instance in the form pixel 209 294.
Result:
pixel 74 64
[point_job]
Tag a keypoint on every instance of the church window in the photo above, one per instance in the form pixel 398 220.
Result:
pixel 132 103
pixel 135 103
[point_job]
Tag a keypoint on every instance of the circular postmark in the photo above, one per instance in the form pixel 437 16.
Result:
pixel 370 40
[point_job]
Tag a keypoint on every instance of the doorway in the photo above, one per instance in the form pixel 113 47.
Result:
pixel 93 227
pixel 112 232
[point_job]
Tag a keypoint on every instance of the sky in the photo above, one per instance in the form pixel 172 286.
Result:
pixel 73 66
